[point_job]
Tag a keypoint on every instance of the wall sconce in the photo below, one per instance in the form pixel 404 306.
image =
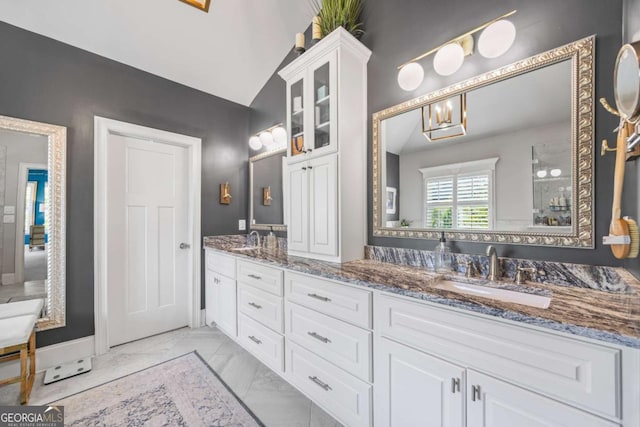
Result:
pixel 273 138
pixel 496 39
pixel 445 119
pixel 266 196
pixel 225 194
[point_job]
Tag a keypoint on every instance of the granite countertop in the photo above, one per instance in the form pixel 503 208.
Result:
pixel 608 316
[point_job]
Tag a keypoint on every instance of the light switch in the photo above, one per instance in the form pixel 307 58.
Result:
pixel 9 219
pixel 242 224
pixel 9 210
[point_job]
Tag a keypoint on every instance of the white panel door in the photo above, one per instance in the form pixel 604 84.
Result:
pixel 323 205
pixel 415 389
pixel 147 207
pixel 298 226
pixel 494 403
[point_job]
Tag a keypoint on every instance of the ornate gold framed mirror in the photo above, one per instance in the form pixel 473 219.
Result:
pixel 33 174
pixel 516 169
pixel 266 190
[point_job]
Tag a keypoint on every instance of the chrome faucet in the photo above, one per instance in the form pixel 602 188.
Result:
pixel 257 237
pixel 494 267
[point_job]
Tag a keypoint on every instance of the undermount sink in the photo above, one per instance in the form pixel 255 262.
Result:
pixel 245 248
pixel 504 295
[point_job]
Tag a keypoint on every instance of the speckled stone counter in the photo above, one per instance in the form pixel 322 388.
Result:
pixel 610 316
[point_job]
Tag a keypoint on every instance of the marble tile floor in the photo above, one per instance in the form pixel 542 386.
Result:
pixel 272 399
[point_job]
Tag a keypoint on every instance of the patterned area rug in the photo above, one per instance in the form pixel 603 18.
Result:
pixel 183 391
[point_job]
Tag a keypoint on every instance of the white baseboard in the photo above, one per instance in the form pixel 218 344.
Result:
pixel 8 278
pixel 53 355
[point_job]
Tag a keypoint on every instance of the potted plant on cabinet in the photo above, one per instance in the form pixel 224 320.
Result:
pixel 339 13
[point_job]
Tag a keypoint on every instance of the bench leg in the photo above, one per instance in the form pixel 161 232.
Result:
pixel 23 376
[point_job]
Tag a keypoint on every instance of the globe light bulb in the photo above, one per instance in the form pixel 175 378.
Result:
pixel 448 59
pixel 410 76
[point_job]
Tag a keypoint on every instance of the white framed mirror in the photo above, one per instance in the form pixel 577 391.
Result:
pixel 504 157
pixel 32 200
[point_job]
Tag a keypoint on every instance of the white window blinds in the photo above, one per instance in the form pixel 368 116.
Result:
pixel 462 199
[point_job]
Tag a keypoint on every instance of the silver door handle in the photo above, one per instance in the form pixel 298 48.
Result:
pixel 475 393
pixel 184 246
pixel 455 384
pixel 319 337
pixel 321 298
pixel 254 339
pixel 253 304
pixel 254 276
pixel 320 383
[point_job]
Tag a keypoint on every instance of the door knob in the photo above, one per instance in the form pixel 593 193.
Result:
pixel 184 246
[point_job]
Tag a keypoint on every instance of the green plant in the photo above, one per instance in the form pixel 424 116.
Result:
pixel 405 223
pixel 339 13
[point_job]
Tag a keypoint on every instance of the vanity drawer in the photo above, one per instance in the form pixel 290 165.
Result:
pixel 268 279
pixel 585 374
pixel 220 263
pixel 348 346
pixel 262 342
pixel 261 306
pixel 334 299
pixel 341 394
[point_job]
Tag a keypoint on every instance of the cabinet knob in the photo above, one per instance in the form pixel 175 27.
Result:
pixel 304 168
pixel 310 167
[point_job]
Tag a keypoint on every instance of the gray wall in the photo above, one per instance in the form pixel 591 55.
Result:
pixel 393 180
pixel 400 30
pixel 48 81
pixel 20 148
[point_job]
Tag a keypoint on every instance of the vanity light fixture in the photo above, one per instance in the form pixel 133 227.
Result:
pixel 445 119
pixel 496 39
pixel 273 138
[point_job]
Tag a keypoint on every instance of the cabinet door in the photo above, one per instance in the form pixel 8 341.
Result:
pixel 323 205
pixel 415 389
pixel 298 218
pixel 494 403
pixel 322 76
pixel 225 313
pixel 296 117
pixel 209 297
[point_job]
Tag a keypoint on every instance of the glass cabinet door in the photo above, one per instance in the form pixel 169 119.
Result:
pixel 324 106
pixel 296 118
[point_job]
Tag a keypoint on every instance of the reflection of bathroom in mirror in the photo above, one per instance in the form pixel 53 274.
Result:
pixel 266 197
pixel 32 202
pixel 23 199
pixel 482 179
pixel 505 156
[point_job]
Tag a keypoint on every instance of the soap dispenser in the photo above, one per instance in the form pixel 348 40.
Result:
pixel 442 256
pixel 270 240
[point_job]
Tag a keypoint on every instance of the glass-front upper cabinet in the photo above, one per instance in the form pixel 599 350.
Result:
pixel 311 110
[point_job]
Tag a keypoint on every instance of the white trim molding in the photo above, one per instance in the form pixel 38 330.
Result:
pixel 104 127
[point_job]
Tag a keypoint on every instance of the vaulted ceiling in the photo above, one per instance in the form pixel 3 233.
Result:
pixel 229 52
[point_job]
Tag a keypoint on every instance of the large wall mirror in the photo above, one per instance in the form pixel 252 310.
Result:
pixel 32 201
pixel 266 198
pixel 502 157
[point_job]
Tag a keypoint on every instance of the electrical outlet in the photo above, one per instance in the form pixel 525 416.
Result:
pixel 242 224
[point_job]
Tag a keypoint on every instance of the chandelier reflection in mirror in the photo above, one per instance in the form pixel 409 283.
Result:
pixel 445 119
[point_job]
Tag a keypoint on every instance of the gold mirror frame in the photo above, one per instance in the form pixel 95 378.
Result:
pixel 54 215
pixel 252 160
pixel 582 55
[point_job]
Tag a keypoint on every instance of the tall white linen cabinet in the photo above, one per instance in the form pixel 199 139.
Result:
pixel 326 155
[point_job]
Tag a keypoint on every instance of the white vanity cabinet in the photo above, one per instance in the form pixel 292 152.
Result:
pixel 326 121
pixel 454 369
pixel 220 291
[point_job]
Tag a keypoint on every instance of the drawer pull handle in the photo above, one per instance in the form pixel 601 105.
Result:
pixel 455 384
pixel 253 304
pixel 319 337
pixel 475 393
pixel 320 383
pixel 253 276
pixel 254 339
pixel 321 298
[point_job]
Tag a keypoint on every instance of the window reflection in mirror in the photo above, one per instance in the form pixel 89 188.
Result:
pixel 24 181
pixel 523 125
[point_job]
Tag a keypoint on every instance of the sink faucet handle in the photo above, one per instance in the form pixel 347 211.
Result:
pixel 522 272
pixel 469 270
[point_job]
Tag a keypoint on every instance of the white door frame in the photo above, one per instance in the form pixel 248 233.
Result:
pixel 23 174
pixel 104 127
